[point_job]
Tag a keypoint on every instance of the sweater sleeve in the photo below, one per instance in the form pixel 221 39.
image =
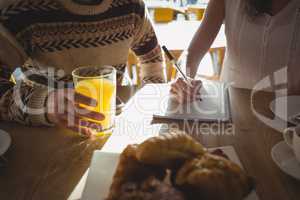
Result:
pixel 19 102
pixel 148 50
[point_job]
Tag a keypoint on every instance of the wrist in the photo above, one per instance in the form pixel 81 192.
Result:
pixel 50 108
pixel 35 107
pixel 191 74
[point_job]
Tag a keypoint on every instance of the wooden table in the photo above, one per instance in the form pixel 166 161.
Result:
pixel 47 163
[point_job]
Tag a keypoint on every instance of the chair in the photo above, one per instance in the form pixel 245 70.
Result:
pixel 170 69
pixel 163 15
pixel 168 14
pixel 134 69
pixel 198 11
pixel 217 57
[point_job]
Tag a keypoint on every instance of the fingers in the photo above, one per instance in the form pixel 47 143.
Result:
pixel 83 127
pixel 82 130
pixel 82 112
pixel 178 92
pixel 185 92
pixel 82 99
pixel 61 95
pixel 79 121
pixel 64 110
pixel 196 82
pixel 70 121
pixel 73 117
pixel 175 88
pixel 191 88
pixel 197 85
pixel 182 84
pixel 72 108
pixel 179 95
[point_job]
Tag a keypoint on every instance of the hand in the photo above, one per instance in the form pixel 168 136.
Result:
pixel 185 92
pixel 63 109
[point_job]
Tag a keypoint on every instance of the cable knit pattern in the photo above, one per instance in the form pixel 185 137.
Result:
pixel 58 36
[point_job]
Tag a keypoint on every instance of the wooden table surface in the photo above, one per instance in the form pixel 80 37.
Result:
pixel 47 163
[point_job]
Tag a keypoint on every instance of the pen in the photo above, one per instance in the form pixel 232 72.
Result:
pixel 175 63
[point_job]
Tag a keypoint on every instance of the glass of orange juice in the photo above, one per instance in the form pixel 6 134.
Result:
pixel 99 83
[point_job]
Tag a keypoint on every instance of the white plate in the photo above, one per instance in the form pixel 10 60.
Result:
pixel 285 159
pixel 103 168
pixel 5 142
pixel 286 107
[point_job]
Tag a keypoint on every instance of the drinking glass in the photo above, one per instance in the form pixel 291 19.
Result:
pixel 99 83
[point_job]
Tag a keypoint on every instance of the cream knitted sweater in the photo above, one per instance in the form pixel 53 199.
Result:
pixel 56 36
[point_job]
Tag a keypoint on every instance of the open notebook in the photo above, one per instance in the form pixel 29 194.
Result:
pixel 215 104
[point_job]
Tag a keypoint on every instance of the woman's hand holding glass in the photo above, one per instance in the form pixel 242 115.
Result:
pixel 186 92
pixel 64 109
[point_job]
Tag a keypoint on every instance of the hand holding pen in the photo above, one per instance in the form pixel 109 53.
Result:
pixel 184 89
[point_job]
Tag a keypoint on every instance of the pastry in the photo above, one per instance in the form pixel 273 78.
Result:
pixel 150 189
pixel 215 178
pixel 169 150
pixel 219 152
pixel 175 166
pixel 129 169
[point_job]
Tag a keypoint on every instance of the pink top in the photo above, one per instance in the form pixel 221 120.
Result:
pixel 264 48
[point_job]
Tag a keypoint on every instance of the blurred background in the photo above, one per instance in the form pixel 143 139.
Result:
pixel 175 23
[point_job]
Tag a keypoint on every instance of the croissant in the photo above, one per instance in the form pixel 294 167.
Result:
pixel 168 150
pixel 150 189
pixel 215 178
pixel 193 172
pixel 129 169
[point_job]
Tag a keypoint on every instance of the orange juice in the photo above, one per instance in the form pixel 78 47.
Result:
pixel 104 91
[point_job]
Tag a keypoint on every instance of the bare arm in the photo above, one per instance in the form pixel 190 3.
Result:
pixel 206 34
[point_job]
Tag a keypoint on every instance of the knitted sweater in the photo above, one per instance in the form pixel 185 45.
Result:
pixel 50 38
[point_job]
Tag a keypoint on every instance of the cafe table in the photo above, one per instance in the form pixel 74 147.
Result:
pixel 47 163
pixel 177 35
pixel 151 5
